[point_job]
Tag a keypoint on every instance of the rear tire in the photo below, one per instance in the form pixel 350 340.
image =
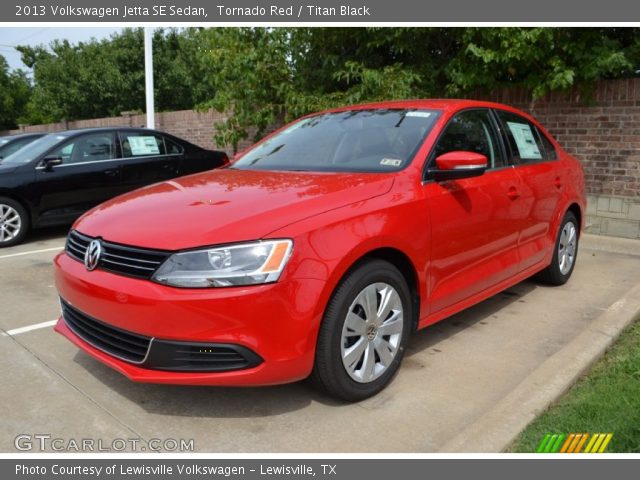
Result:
pixel 364 332
pixel 565 252
pixel 14 222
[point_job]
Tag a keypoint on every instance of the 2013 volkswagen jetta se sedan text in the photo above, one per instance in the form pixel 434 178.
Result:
pixel 322 248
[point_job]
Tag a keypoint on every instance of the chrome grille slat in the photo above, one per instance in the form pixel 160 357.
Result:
pixel 152 262
pixel 106 260
pixel 120 259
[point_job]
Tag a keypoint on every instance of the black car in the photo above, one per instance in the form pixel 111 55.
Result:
pixel 13 143
pixel 56 178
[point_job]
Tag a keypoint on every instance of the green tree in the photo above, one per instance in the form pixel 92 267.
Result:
pixel 106 77
pixel 267 76
pixel 542 59
pixel 15 91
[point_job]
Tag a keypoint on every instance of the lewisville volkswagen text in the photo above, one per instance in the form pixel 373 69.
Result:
pixel 319 250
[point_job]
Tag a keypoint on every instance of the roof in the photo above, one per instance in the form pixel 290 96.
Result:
pixel 101 129
pixel 434 103
pixel 23 135
pixel 448 105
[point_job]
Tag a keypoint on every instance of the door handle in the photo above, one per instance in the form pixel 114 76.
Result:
pixel 558 183
pixel 112 172
pixel 513 193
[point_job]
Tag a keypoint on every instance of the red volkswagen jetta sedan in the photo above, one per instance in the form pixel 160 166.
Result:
pixel 319 250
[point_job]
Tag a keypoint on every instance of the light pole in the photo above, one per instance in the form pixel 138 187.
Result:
pixel 148 76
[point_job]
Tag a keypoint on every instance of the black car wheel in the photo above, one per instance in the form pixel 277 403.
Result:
pixel 564 253
pixel 364 332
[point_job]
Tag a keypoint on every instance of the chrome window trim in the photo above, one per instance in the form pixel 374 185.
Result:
pixel 40 167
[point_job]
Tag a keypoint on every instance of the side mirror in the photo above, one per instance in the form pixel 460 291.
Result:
pixel 458 164
pixel 49 162
pixel 225 160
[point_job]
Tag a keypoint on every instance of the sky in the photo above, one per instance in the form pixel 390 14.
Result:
pixel 11 36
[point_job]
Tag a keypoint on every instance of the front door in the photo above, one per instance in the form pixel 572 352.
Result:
pixel 89 175
pixel 475 221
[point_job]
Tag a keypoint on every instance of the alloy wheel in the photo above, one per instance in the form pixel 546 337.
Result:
pixel 567 247
pixel 10 223
pixel 372 332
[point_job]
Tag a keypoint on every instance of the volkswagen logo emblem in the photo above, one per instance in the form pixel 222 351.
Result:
pixel 92 255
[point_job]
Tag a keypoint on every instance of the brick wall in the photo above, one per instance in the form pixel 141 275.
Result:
pixel 602 131
pixel 196 127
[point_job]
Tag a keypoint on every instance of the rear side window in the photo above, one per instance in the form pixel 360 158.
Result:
pixel 172 147
pixel 522 137
pixel 549 150
pixel 141 144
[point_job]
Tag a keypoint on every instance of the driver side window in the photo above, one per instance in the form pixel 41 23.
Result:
pixel 471 131
pixel 87 148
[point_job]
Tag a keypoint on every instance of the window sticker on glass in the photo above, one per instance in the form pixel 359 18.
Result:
pixel 525 141
pixel 143 145
pixel 391 162
pixel 418 113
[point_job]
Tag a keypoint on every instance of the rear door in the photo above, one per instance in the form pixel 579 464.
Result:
pixel 89 174
pixel 147 159
pixel 475 221
pixel 542 185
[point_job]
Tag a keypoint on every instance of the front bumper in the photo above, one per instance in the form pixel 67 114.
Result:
pixel 278 323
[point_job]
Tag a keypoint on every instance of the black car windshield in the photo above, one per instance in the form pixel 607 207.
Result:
pixel 34 149
pixel 377 140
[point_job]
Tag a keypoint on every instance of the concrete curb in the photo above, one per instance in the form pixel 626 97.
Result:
pixel 603 243
pixel 498 428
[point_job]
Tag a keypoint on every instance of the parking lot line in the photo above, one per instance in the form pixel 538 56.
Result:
pixel 28 328
pixel 20 254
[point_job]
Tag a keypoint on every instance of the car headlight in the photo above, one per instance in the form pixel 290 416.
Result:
pixel 242 264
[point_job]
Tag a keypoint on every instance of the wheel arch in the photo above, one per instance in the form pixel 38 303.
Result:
pixel 398 259
pixel 577 211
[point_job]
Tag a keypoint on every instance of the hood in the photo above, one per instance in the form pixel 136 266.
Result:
pixel 7 168
pixel 224 206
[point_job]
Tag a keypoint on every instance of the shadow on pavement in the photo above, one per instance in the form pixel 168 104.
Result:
pixel 252 402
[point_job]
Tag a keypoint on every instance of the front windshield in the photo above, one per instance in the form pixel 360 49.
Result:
pixel 33 150
pixel 380 140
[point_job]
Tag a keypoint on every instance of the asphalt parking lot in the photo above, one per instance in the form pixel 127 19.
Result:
pixel 454 372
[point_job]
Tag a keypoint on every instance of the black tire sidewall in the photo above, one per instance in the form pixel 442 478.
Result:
pixel 561 278
pixel 332 373
pixel 24 221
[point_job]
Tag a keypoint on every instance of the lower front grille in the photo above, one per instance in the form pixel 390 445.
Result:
pixel 158 354
pixel 119 343
pixel 200 357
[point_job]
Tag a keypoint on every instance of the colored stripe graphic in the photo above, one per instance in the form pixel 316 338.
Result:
pixel 558 444
pixel 605 442
pixel 567 443
pixel 543 443
pixel 574 443
pixel 581 444
pixel 590 444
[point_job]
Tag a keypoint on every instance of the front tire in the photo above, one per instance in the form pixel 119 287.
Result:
pixel 14 222
pixel 565 253
pixel 364 332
